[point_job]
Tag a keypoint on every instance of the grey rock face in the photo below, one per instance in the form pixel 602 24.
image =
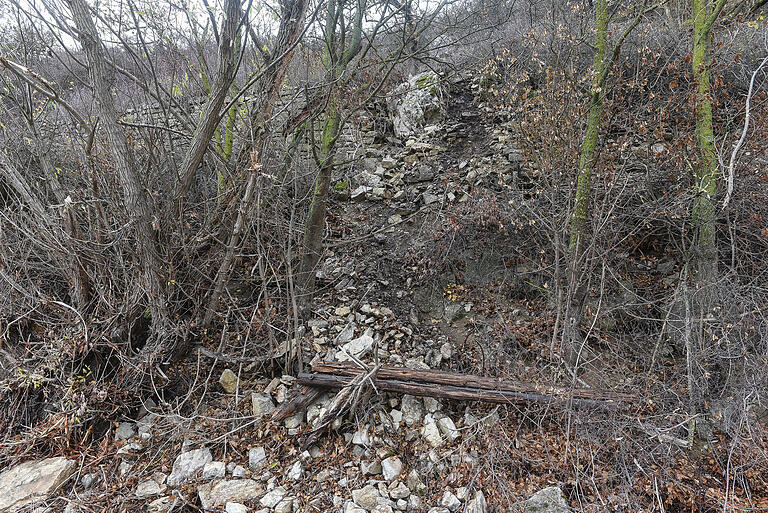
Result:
pixel 416 103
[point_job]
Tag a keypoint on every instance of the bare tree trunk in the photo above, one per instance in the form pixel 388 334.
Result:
pixel 312 247
pixel 290 30
pixel 136 200
pixel 211 115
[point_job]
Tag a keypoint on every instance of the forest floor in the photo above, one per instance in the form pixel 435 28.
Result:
pixel 421 270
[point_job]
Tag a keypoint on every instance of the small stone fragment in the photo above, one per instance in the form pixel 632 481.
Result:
pixel 229 381
pixel 214 470
pixel 257 458
pixel 431 434
pixel 187 463
pixel 448 429
pixel 235 507
pixel 261 404
pixel 273 497
pixel 366 497
pixel 477 504
pixel 450 501
pixel 391 468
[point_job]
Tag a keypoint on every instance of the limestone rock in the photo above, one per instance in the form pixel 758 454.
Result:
pixel 296 471
pixel 149 488
pixel 370 468
pixel 235 507
pixel 273 497
pixel 416 103
pixel 415 484
pixel 448 429
pixel 357 347
pixel 257 458
pixel 351 507
pixel 229 381
pixel 219 493
pixel 214 470
pixel 125 430
pixel 33 480
pixel 187 463
pixel 399 492
pixel 548 500
pixel 477 504
pixel 261 404
pixel 162 505
pixel 366 497
pixel 391 468
pixel 450 501
pixel 412 409
pixel 431 434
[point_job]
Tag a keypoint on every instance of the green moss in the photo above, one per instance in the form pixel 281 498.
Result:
pixel 341 186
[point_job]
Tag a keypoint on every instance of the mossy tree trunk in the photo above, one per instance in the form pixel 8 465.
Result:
pixel 343 42
pixel 579 221
pixel 706 167
pixel 579 217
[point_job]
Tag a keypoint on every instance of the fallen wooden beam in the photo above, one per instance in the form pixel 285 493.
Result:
pixel 463 387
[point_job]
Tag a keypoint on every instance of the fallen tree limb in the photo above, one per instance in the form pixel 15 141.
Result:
pixel 463 387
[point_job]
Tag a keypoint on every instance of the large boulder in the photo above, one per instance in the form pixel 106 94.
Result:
pixel 33 480
pixel 416 103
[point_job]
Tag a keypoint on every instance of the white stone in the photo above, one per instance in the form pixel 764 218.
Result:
pixel 214 470
pixel 218 493
pixel 187 463
pixel 284 506
pixel 415 103
pixel 149 488
pixel 366 497
pixel 257 458
pixel 431 434
pixel 261 404
pixel 125 430
pixel 391 468
pixel 239 471
pixel 448 429
pixel 235 507
pixel 273 497
pixel 296 471
pixel 357 347
pixel 400 491
pixel 33 480
pixel 361 437
pixel 477 504
pixel 412 410
pixel 415 483
pixel 548 500
pixel 351 507
pixel 431 404
pixel 370 468
pixel 450 501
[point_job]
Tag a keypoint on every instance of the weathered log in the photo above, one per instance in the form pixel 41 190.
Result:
pixel 464 387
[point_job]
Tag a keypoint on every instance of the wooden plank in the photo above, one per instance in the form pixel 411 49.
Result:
pixel 444 391
pixel 473 382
